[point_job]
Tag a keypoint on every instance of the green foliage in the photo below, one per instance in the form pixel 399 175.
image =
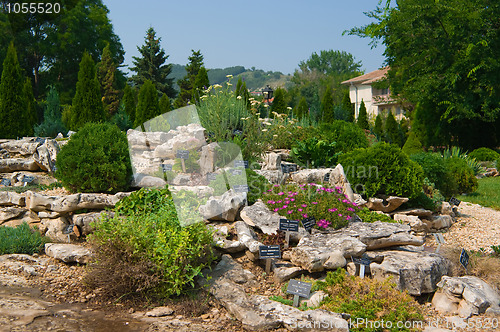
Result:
pixel 369 299
pixel 347 105
pixel 378 129
pixel 301 110
pixel 13 104
pixel 347 135
pixel 148 105
pixel 332 62
pixel 279 104
pixel 121 119
pixel 201 83
pixel 257 185
pixel 96 159
pixel 165 104
pixel 362 116
pixel 143 201
pixel 487 193
pixel 151 66
pixel 189 91
pixel 21 240
pixel 371 216
pixel 484 154
pixel 429 198
pixel 462 174
pixel 327 107
pixel 30 114
pixel 191 163
pixel 52 117
pixel 106 75
pixel 327 205
pixel 435 170
pixel 278 298
pixel 129 102
pixel 392 130
pixel 458 153
pixel 87 105
pixel 412 145
pixel 383 169
pixel 315 153
pixel 172 256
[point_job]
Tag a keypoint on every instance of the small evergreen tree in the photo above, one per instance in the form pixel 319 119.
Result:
pixel 147 106
pixel 121 118
pixel 279 104
pixel 327 108
pixel 87 103
pixel 13 103
pixel 301 110
pixel 237 91
pixel 246 95
pixel 378 129
pixel 412 144
pixel 348 106
pixel 52 117
pixel 106 74
pixel 200 83
pixel 165 104
pixel 362 116
pixel 392 130
pixel 187 83
pixel 30 114
pixel 129 102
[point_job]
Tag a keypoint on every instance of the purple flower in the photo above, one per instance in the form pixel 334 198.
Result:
pixel 304 215
pixel 332 210
pixel 285 206
pixel 271 202
pixel 348 218
pixel 300 210
pixel 350 209
pixel 293 199
pixel 314 203
pixel 340 215
pixel 280 201
pixel 289 211
pixel 276 210
pixel 304 205
pixel 281 193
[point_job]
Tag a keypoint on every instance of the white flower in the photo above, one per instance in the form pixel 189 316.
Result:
pixel 239 97
pixel 260 119
pixel 266 105
pixel 288 108
pixel 229 76
pixel 217 86
pixel 275 135
pixel 264 129
pixel 267 123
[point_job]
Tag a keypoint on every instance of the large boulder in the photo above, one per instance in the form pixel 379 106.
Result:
pixel 8 213
pixel 418 272
pixel 258 215
pixel 68 253
pixel 339 179
pixel 55 228
pixel 84 220
pixel 272 161
pixel 388 205
pixel 46 154
pixel 68 203
pixel 17 164
pixel 8 198
pixel 139 140
pixel 208 158
pixel 305 176
pixel 247 236
pixel 271 176
pixel 225 207
pixel 23 147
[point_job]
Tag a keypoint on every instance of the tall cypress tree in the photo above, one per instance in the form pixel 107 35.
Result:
pixel 52 116
pixel 378 129
pixel 129 102
pixel 348 106
pixel 12 100
pixel 327 109
pixel 151 66
pixel 200 83
pixel 147 106
pixel 279 104
pixel 87 103
pixel 362 116
pixel 301 110
pixel 106 74
pixel 187 84
pixel 30 115
pixel 392 129
pixel 165 104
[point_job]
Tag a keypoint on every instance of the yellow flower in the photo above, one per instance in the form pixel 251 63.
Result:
pixel 229 76
pixel 288 108
pixel 229 84
pixel 217 86
pixel 264 129
pixel 239 97
pixel 266 105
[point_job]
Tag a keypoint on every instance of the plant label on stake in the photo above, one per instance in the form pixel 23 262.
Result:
pixel 288 226
pixel 182 155
pixel 28 179
pixel 362 262
pixel 235 172
pixel 298 289
pixel 439 240
pixel 241 163
pixel 269 252
pixel 454 201
pixel 240 188
pixel 211 176
pixel 288 168
pixel 308 223
pixel 464 259
pixel 166 167
pixel 5 182
pixel 326 179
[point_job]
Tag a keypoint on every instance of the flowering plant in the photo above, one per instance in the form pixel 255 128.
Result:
pixel 327 205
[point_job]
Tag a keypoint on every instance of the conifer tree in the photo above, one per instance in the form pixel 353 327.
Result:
pixel 129 102
pixel 348 106
pixel 327 109
pixel 237 91
pixel 378 129
pixel 301 110
pixel 165 104
pixel 392 129
pixel 12 100
pixel 246 94
pixel 147 106
pixel 151 66
pixel 362 116
pixel 200 83
pixel 106 74
pixel 412 144
pixel 279 104
pixel 30 114
pixel 187 84
pixel 52 116
pixel 87 103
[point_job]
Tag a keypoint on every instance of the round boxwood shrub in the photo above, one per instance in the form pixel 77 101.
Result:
pixel 96 159
pixel 382 169
pixel 347 135
pixel 463 174
pixel 484 154
pixel 435 170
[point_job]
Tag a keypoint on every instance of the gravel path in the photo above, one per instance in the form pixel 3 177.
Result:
pixel 477 227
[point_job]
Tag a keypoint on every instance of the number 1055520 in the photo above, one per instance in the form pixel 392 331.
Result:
pixel 32 8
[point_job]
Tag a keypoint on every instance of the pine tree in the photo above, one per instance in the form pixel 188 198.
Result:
pixel 147 106
pixel 151 66
pixel 12 100
pixel 87 104
pixel 348 106
pixel 106 75
pixel 187 84
pixel 200 83
pixel 412 144
pixel 378 130
pixel 30 114
pixel 327 109
pixel 129 102
pixel 165 104
pixel 362 116
pixel 279 104
pixel 392 129
pixel 52 116
pixel 301 110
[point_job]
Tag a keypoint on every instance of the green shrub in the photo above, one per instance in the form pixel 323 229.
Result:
pixel 458 153
pixel 257 185
pixel 20 240
pixel 148 254
pixel 142 201
pixel 462 174
pixel 484 154
pixel 314 153
pixel 435 170
pixel 347 135
pixel 383 169
pixel 412 145
pixel 371 216
pixel 429 198
pixel 96 159
pixel 327 205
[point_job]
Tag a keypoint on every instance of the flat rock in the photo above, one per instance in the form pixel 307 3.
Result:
pixel 418 272
pixel 225 207
pixel 284 271
pixel 413 221
pixel 85 220
pixel 8 213
pixel 247 236
pixel 160 312
pixel 148 181
pixel 422 213
pixel 271 176
pixel 272 161
pixel 69 203
pixel 441 222
pixel 8 198
pixel 389 205
pixel 17 164
pixel 258 215
pixel 200 191
pixel 68 253
pixel 310 175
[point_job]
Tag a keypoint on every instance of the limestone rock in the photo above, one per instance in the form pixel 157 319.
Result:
pixel 145 140
pixel 200 191
pixel 225 207
pixel 23 147
pixel 68 253
pixel 46 154
pixel 148 181
pixel 445 304
pixel 13 165
pixel 68 203
pixel 272 162
pixel 271 176
pixel 8 198
pixel 316 298
pixel 284 271
pixel 8 213
pixel 260 216
pixel 446 209
pixel 392 204
pixel 415 223
pixel 417 272
pixel 160 312
pixel 181 180
pixel 84 220
pixel 310 175
pixel 339 179
pixel 208 158
pixel 54 228
pixel 421 213
pixel 441 222
pixel 247 236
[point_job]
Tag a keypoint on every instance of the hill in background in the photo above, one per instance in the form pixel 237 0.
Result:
pixel 256 79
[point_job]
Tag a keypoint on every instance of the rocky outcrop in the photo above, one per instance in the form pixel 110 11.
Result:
pixel 258 215
pixel 208 158
pixel 310 175
pixel 13 165
pixel 272 162
pixel 339 179
pixel 271 176
pixel 465 296
pixel 46 154
pixel 68 253
pixel 9 198
pixel 390 204
pixel 8 213
pixel 68 203
pixel 247 236
pixel 225 207
pixel 413 221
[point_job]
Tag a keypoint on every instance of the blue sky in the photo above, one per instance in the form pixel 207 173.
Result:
pixel 269 35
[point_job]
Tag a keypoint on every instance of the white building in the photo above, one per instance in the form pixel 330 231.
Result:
pixel 376 100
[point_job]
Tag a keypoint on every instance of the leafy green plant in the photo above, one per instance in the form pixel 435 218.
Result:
pixel 314 153
pixel 144 200
pixel 429 198
pixel 462 174
pixel 327 205
pixel 368 299
pixel 21 240
pixel 347 135
pixel 383 169
pixel 435 170
pixel 96 159
pixel 278 298
pixel 370 216
pixel 191 163
pixel 164 257
pixel 412 145
pixel 484 154
pixel 456 152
